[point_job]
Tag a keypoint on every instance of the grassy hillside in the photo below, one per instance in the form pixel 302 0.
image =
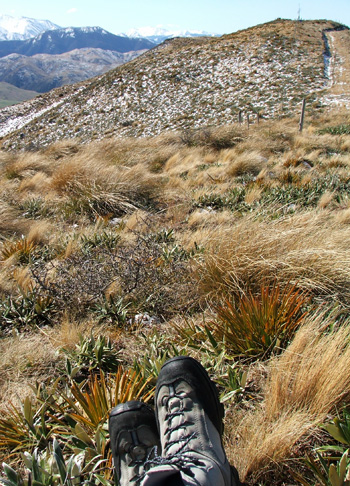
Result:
pixel 187 83
pixel 229 244
pixel 10 95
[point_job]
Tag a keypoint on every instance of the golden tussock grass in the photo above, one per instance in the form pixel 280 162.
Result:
pixel 9 221
pixel 63 149
pixel 311 142
pixel 151 152
pixel 6 282
pixel 310 380
pixel 337 161
pixel 40 183
pixel 270 138
pixel 253 195
pixel 249 162
pixel 343 216
pixel 301 158
pixel 22 279
pixel 29 358
pixel 326 200
pixel 185 160
pixel 137 221
pixel 98 184
pixel 307 249
pixel 68 333
pixel 345 144
pixel 24 360
pixel 40 232
pixel 27 164
pixel 202 218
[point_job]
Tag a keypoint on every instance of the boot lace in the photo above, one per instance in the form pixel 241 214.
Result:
pixel 180 459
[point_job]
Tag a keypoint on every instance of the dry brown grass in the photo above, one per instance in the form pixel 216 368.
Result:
pixel 250 162
pixel 305 384
pixel 39 183
pixel 40 232
pixel 344 216
pixel 237 251
pixel 9 221
pixel 25 359
pixel 308 249
pixel 326 200
pixel 26 164
pixel 29 358
pixel 100 185
pixel 204 218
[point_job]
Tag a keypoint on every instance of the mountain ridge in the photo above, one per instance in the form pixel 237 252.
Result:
pixel 159 34
pixel 66 39
pixel 21 28
pixel 43 72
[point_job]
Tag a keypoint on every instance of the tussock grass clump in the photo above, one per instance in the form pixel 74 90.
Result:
pixel 305 384
pixel 309 250
pixel 25 359
pixel 101 189
pixel 244 163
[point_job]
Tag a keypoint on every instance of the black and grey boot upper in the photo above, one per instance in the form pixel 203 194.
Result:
pixel 190 422
pixel 134 440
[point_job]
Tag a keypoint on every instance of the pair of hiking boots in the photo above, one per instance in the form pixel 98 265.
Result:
pixel 186 427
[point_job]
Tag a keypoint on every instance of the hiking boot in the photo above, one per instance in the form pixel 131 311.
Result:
pixel 190 422
pixel 134 440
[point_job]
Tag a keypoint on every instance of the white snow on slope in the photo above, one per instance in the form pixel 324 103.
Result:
pixel 20 28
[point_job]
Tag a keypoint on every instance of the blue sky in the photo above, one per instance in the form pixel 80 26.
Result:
pixel 219 16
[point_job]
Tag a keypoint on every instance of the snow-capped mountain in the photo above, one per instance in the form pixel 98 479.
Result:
pixel 159 34
pixel 65 56
pixel 21 28
pixel 62 40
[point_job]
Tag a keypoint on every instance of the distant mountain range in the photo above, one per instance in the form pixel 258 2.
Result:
pixel 159 34
pixel 44 72
pixel 64 56
pixel 38 55
pixel 61 40
pixel 22 28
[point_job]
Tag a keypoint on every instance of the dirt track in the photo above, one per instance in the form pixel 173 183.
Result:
pixel 338 92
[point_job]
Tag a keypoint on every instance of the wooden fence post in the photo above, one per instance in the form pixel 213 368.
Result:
pixel 240 117
pixel 301 122
pixel 248 120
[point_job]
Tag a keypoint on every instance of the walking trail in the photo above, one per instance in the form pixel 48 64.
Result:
pixel 338 92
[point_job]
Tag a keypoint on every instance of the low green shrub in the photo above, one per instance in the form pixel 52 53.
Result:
pixel 331 464
pixel 26 311
pixel 90 354
pixel 343 129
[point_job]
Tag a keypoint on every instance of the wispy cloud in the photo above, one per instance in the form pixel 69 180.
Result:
pixel 72 10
